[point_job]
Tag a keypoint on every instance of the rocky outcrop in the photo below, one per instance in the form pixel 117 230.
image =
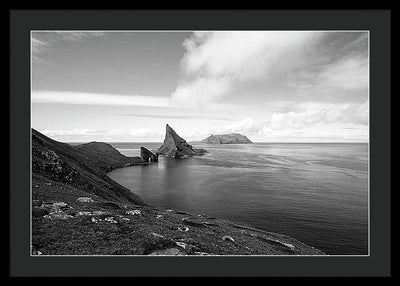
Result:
pixel 176 147
pixel 106 157
pixel 147 155
pixel 232 138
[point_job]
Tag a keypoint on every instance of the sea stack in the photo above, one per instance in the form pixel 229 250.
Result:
pixel 147 155
pixel 176 147
pixel 232 138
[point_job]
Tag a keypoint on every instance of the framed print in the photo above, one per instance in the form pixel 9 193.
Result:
pixel 156 143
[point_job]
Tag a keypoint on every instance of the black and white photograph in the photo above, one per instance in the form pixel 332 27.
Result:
pixel 200 143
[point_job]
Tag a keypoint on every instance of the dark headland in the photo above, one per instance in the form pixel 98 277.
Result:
pixel 78 210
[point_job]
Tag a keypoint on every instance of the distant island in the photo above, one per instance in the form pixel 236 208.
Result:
pixel 232 138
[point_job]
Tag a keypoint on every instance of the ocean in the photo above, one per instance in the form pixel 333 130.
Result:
pixel 314 192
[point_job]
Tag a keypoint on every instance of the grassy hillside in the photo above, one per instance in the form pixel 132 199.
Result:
pixel 81 169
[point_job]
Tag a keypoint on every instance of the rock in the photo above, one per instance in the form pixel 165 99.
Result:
pixel 291 246
pixel 157 235
pixel 168 251
pixel 55 210
pixel 159 216
pixel 182 212
pixel 157 243
pixel 227 237
pixel 184 229
pixel 125 219
pixel 83 214
pixel 182 244
pixel 110 219
pixel 232 138
pixel 278 242
pixel 201 253
pixel 133 212
pixel 36 252
pixel 207 223
pixel 147 155
pixel 58 215
pixel 192 222
pixel 176 147
pixel 84 200
pixel 59 204
pixel 99 213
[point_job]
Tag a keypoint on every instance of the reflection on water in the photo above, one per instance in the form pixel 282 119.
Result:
pixel 317 193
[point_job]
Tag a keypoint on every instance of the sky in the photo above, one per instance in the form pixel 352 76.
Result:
pixel 272 86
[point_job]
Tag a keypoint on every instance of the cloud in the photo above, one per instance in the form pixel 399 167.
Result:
pixel 43 41
pixel 312 121
pixel 112 135
pixel 85 98
pixel 200 92
pixel 76 36
pixel 166 116
pixel 243 54
pixel 215 61
pixel 38 47
pixel 314 113
pixel 340 79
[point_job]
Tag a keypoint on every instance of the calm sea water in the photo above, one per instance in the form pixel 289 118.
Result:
pixel 316 193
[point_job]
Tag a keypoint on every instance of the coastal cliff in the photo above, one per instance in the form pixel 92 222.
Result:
pixel 81 167
pixel 176 147
pixel 232 138
pixel 78 210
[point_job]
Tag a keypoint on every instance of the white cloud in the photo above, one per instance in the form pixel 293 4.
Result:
pixel 243 55
pixel 67 97
pixel 200 92
pixel 215 61
pixel 326 113
pixel 312 121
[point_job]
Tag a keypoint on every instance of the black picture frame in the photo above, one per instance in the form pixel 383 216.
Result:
pixel 378 22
